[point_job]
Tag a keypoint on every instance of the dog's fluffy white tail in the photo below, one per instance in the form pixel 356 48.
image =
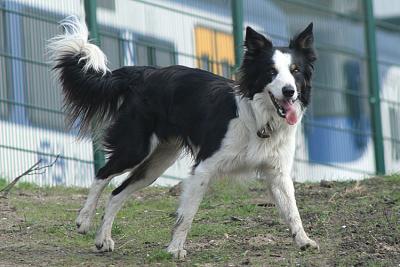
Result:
pixel 75 41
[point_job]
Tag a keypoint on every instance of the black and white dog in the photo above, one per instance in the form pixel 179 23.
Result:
pixel 230 127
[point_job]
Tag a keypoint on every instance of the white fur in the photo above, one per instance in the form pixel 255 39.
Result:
pixel 86 214
pixel 194 190
pixel 284 77
pixel 242 151
pixel 75 41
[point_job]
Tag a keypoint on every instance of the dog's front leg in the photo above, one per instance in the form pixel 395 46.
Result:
pixel 282 189
pixel 193 192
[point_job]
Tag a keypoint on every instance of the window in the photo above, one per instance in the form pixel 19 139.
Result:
pixel 111 46
pixel 226 69
pixel 214 51
pixel 146 51
pixel 154 53
pixel 27 80
pixel 163 57
pixel 205 63
pixel 107 4
pixel 40 88
pixel 143 57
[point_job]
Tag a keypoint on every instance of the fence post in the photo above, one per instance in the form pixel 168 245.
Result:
pixel 237 21
pixel 91 22
pixel 374 98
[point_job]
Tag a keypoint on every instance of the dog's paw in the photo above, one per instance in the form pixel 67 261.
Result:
pixel 83 226
pixel 304 242
pixel 83 222
pixel 177 253
pixel 307 243
pixel 105 245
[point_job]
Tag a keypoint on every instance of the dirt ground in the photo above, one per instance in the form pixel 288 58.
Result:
pixel 356 224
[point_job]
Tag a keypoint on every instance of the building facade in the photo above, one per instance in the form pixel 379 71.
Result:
pixel 342 135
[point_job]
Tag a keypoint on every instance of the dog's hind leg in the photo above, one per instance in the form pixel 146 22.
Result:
pixel 193 193
pixel 122 159
pixel 145 174
pixel 87 212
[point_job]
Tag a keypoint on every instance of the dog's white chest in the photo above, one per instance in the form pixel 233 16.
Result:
pixel 270 151
pixel 243 149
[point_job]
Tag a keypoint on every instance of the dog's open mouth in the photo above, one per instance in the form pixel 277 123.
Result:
pixel 285 109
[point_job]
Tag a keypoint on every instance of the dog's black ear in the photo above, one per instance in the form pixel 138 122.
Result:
pixel 255 41
pixel 304 43
pixel 303 40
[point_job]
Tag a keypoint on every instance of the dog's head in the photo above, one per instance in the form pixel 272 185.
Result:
pixel 282 73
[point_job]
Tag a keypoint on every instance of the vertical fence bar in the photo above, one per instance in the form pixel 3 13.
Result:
pixel 374 86
pixel 237 21
pixel 91 21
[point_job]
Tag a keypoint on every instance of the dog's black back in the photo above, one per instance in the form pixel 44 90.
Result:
pixel 175 102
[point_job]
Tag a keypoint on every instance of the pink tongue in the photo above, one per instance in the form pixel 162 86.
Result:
pixel 291 116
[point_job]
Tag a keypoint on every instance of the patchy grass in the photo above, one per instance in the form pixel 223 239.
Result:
pixel 3 182
pixel 355 223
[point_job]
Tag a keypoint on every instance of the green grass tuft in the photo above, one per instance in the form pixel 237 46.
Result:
pixel 3 183
pixel 159 256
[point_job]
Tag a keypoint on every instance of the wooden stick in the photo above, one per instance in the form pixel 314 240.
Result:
pixel 34 168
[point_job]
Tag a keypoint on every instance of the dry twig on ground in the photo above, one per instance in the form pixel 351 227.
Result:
pixel 34 169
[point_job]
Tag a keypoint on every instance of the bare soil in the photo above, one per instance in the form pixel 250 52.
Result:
pixel 356 224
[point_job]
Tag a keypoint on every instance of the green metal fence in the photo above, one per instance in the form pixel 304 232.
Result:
pixel 351 129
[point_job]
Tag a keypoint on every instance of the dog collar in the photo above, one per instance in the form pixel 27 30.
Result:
pixel 266 131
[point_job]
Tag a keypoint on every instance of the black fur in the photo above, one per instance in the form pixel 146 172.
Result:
pixel 303 50
pixel 191 105
pixel 137 174
pixel 173 102
pixel 89 95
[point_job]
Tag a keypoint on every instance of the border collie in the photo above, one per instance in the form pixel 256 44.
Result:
pixel 152 114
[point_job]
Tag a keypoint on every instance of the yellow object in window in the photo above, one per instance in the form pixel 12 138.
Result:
pixel 214 50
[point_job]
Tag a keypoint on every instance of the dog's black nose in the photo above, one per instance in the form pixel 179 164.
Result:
pixel 288 91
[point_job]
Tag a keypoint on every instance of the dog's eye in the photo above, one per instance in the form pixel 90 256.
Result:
pixel 294 69
pixel 273 72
